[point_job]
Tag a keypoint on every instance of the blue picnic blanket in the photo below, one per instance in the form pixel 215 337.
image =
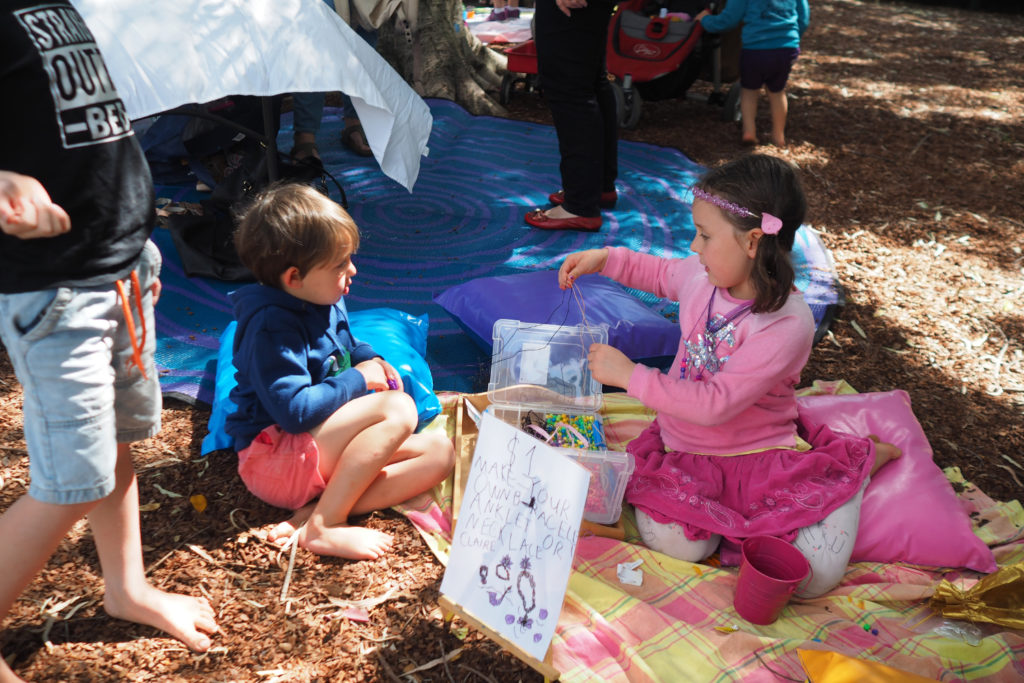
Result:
pixel 463 220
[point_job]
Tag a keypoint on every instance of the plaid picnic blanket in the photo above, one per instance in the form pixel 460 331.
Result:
pixel 680 625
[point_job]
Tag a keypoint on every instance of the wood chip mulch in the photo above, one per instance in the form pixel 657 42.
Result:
pixel 906 121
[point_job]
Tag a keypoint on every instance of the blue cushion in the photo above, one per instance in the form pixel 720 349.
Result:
pixel 399 337
pixel 224 381
pixel 534 297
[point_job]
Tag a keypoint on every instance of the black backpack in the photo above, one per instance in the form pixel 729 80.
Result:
pixel 205 242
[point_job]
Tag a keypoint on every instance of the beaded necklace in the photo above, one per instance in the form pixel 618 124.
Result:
pixel 700 352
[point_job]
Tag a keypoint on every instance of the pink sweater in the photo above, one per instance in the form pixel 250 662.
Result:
pixel 749 404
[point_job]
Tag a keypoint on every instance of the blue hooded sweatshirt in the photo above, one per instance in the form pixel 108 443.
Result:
pixel 767 24
pixel 294 360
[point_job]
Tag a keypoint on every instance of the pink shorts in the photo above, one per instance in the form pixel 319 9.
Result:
pixel 282 469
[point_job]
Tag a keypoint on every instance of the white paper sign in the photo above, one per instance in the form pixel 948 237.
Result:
pixel 514 542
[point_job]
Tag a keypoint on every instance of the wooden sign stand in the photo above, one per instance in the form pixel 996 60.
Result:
pixel 466 433
pixel 545 668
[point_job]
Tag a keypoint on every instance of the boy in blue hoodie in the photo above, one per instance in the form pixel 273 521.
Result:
pixel 771 35
pixel 322 425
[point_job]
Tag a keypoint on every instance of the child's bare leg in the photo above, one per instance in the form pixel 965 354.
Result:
pixel 884 452
pixel 30 531
pixel 748 113
pixel 355 444
pixel 282 531
pixel 421 462
pixel 779 107
pixel 127 593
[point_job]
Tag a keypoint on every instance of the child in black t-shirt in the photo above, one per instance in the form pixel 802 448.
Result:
pixel 78 282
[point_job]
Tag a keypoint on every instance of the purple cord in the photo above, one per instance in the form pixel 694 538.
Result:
pixel 392 384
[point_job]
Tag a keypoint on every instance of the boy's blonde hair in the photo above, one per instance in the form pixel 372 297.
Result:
pixel 291 224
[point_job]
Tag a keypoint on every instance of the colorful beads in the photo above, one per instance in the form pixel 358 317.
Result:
pixel 567 431
pixel 575 431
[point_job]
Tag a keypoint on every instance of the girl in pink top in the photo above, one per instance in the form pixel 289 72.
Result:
pixel 727 455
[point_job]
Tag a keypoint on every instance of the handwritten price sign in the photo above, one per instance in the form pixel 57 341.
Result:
pixel 514 542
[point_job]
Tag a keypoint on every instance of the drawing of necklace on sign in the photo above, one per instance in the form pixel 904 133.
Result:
pixel 525 587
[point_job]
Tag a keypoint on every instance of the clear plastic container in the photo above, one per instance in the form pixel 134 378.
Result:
pixel 544 366
pixel 539 374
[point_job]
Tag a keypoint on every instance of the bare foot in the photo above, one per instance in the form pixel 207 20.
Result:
pixel 184 617
pixel 749 140
pixel 779 140
pixel 280 534
pixel 349 542
pixel 884 452
pixel 7 675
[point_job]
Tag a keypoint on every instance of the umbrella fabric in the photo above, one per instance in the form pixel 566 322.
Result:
pixel 166 53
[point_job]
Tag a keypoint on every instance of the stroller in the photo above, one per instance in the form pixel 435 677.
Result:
pixel 656 51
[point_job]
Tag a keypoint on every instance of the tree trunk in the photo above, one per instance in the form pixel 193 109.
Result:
pixel 453 63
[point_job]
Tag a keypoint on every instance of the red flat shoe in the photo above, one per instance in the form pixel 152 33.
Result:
pixel 607 200
pixel 538 219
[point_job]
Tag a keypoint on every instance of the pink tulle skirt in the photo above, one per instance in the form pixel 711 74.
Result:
pixel 772 492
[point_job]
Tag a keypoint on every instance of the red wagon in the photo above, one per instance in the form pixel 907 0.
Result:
pixel 657 51
pixel 522 69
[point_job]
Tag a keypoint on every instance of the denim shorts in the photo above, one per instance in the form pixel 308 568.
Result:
pixel 83 394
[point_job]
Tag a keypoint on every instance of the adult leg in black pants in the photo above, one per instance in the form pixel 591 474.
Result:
pixel 571 65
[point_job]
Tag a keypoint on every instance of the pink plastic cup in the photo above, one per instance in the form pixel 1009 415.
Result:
pixel 770 571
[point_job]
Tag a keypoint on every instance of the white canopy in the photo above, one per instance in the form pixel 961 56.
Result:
pixel 165 53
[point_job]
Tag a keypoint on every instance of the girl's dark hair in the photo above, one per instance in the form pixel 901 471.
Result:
pixel 763 184
pixel 291 224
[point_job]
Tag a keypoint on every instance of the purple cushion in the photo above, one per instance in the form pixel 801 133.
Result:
pixel 910 512
pixel 534 297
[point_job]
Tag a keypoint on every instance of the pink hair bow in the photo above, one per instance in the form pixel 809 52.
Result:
pixel 770 225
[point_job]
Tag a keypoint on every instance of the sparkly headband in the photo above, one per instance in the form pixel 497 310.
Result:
pixel 770 225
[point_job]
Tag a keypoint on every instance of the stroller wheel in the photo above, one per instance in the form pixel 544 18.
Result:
pixel 628 105
pixel 508 84
pixel 731 106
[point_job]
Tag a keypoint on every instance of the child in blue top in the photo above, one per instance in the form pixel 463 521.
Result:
pixel 315 418
pixel 771 43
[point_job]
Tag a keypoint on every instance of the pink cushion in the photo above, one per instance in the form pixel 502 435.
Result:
pixel 910 512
